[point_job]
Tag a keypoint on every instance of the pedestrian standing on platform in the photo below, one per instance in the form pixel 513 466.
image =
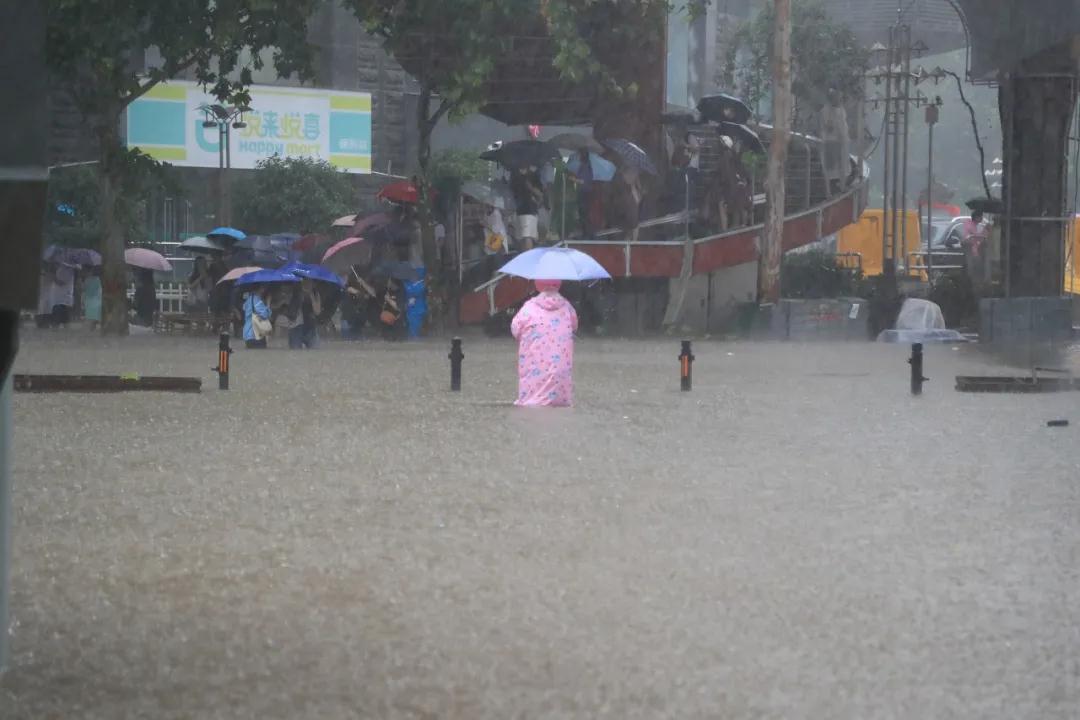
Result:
pixel 528 194
pixel 976 247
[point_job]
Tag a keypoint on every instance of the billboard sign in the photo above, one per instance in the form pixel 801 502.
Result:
pixel 167 124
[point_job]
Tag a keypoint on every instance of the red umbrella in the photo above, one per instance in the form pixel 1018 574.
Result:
pixel 403 192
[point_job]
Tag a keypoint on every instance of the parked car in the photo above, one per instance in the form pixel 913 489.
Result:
pixel 948 233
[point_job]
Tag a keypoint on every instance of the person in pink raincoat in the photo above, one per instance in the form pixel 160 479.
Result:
pixel 544 329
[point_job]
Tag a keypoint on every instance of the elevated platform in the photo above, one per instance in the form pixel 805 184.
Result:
pixel 664 258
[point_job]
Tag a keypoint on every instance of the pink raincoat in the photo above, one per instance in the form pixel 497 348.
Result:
pixel 544 329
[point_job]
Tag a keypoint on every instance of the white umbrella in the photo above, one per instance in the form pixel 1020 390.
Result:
pixel 555 264
pixel 147 260
pixel 201 244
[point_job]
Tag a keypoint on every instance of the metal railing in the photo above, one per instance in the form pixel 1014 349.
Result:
pixel 170 296
pixel 917 265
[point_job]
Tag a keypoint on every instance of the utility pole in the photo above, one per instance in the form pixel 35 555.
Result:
pixel 773 236
pixel 898 97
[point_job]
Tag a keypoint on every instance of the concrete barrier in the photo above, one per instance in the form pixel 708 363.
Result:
pixel 821 320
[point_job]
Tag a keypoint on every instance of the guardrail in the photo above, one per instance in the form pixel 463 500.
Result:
pixel 743 237
pixel 170 296
pixel 917 264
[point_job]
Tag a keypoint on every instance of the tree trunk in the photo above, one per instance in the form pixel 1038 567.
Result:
pixel 773 236
pixel 426 125
pixel 114 318
pixel 1036 104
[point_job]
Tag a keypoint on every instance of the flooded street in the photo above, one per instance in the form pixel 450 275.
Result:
pixel 339 536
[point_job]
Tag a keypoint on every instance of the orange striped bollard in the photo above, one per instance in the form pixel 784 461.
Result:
pixel 222 369
pixel 686 367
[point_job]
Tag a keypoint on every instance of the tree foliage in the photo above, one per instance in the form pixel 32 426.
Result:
pixel 97 51
pixel 450 169
pixel 825 54
pixel 292 195
pixel 73 215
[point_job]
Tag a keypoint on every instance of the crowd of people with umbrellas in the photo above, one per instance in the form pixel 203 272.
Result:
pixel 286 281
pixel 608 180
pixel 375 274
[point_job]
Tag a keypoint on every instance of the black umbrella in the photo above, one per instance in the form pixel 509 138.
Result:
pixel 631 154
pixel 747 137
pixel 992 206
pixel 724 108
pixel 522 153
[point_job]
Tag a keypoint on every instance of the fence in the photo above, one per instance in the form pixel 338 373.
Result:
pixel 170 296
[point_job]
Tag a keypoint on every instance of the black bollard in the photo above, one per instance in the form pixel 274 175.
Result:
pixel 916 363
pixel 222 369
pixel 686 367
pixel 456 356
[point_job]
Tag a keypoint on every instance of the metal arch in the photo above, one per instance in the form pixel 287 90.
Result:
pixel 955 5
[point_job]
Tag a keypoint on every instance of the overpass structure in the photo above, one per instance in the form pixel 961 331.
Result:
pixel 707 260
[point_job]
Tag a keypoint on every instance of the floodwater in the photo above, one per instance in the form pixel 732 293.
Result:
pixel 339 536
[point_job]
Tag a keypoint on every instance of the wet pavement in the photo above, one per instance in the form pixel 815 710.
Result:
pixel 340 536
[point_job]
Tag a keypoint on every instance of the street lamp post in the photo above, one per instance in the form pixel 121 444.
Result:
pixel 224 118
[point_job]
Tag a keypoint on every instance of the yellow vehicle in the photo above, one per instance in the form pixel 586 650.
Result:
pixel 1072 258
pixel 864 238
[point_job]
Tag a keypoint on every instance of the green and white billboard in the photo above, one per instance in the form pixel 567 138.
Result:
pixel 166 123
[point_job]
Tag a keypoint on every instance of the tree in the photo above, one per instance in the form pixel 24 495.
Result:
pixel 73 214
pixel 451 49
pixel 824 54
pixel 772 237
pixel 457 50
pixel 293 194
pixel 95 50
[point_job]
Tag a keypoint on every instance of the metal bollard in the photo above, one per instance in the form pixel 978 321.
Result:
pixel 456 356
pixel 916 363
pixel 222 369
pixel 686 367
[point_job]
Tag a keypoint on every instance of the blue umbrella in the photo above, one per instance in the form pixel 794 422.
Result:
pixel 602 170
pixel 631 154
pixel 266 277
pixel 227 233
pixel 555 264
pixel 313 272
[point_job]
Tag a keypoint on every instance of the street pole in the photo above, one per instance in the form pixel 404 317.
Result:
pixel 887 152
pixel 9 328
pixel 228 176
pixel 931 120
pixel 221 175
pixel 906 68
pixel 773 234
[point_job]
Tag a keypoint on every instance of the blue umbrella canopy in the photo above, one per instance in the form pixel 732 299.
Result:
pixel 313 272
pixel 602 170
pixel 226 233
pixel 632 155
pixel 267 277
pixel 555 264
